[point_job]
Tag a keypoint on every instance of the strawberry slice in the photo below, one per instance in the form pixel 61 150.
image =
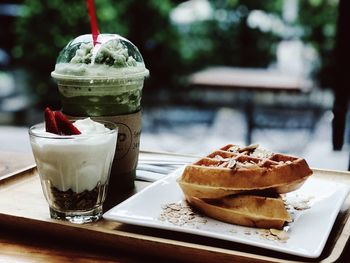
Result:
pixel 50 121
pixel 64 125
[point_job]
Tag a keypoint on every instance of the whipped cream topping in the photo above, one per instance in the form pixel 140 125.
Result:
pixel 73 70
pixel 78 162
pixel 88 126
pixel 112 53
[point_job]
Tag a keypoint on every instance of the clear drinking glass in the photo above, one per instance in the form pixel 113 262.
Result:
pixel 74 171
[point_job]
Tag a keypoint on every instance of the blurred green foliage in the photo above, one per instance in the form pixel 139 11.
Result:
pixel 42 31
pixel 318 18
pixel 170 51
pixel 226 39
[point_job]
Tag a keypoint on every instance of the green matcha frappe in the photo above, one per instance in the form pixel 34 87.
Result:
pixel 101 80
pixel 105 82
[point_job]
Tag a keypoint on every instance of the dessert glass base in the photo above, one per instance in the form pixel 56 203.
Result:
pixel 75 169
pixel 78 217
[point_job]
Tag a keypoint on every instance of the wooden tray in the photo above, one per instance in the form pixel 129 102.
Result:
pixel 22 205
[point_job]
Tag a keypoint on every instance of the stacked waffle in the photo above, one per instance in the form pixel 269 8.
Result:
pixel 243 185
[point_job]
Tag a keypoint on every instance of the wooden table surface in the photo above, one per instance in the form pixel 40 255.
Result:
pixel 249 79
pixel 20 245
pixel 253 81
pixel 23 247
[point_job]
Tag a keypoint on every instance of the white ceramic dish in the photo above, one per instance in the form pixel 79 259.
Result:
pixel 307 234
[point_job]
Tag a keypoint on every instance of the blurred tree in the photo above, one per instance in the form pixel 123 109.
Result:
pixel 47 26
pixel 318 19
pixel 148 26
pixel 42 31
pixel 225 37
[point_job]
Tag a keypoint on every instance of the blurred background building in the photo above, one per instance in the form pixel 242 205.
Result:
pixel 236 71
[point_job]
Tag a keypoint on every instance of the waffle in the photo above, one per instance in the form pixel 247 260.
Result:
pixel 232 170
pixel 246 210
pixel 242 185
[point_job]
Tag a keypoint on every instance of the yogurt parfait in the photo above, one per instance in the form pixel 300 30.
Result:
pixel 74 162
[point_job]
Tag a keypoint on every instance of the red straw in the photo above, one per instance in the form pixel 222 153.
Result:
pixel 93 20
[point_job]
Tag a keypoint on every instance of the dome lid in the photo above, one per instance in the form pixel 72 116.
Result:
pixel 113 56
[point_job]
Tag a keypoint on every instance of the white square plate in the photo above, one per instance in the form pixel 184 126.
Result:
pixel 307 234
